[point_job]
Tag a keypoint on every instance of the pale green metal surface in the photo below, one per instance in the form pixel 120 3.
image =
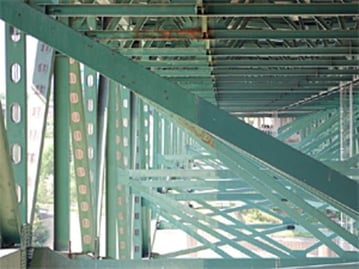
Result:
pixel 123 155
pixel 249 172
pixel 61 154
pixel 90 88
pixel 239 17
pixel 80 157
pixel 16 120
pixel 197 111
pixel 137 162
pixel 163 172
pixel 111 173
pixel 41 260
pixel 205 9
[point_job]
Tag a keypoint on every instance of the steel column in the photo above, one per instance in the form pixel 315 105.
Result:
pixel 61 154
pixel 81 161
pixel 16 107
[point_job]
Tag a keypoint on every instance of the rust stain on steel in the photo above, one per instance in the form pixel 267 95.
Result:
pixel 203 135
pixel 169 34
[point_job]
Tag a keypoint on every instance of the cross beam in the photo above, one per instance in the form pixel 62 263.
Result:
pixel 188 9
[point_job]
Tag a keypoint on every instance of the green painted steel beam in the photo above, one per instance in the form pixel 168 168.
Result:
pixel 123 153
pixel 220 184
pixel 217 196
pixel 231 94
pixel 273 84
pixel 90 105
pixel 225 52
pixel 251 63
pixel 197 34
pixel 61 154
pixel 111 174
pixel 16 107
pixel 206 9
pixel 188 107
pixel 260 78
pixel 181 173
pixel 80 158
pixel 284 71
pixel 102 108
pixel 144 151
pixel 45 258
pixel 136 162
pixel 9 208
pixel 289 88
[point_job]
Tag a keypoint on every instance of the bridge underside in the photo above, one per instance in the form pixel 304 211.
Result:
pixel 129 131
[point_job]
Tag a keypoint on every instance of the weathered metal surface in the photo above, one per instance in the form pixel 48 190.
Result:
pixel 187 106
pixel 205 9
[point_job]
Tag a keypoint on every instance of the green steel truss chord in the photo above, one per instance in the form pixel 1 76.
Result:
pixel 81 161
pixel 247 52
pixel 38 106
pixel 90 86
pixel 138 162
pixel 196 34
pixel 44 258
pixel 123 156
pixel 221 64
pixel 111 172
pixel 205 9
pixel 10 221
pixel 61 154
pixel 144 154
pixel 144 134
pixel 155 139
pixel 102 117
pixel 16 107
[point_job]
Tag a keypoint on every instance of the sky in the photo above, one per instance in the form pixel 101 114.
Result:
pixel 31 44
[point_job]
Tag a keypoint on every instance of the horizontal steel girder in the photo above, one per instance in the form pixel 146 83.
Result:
pixel 223 52
pixel 189 108
pixel 256 72
pixel 216 10
pixel 198 34
pixel 45 258
pixel 251 63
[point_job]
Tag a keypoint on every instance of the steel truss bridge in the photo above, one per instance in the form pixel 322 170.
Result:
pixel 149 101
